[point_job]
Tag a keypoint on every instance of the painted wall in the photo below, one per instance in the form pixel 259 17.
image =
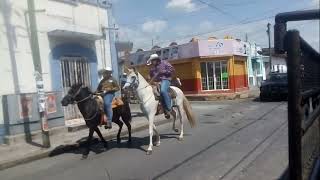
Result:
pixel 15 52
pixel 278 63
pixel 84 20
pixel 189 72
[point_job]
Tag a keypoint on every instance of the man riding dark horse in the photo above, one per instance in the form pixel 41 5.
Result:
pixel 161 72
pixel 108 85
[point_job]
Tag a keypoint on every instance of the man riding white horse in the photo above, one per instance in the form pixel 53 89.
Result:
pixel 162 71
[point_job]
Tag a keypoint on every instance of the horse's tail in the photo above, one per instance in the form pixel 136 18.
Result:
pixel 189 113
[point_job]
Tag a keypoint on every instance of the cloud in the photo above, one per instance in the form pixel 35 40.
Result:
pixel 205 26
pixel 134 35
pixel 315 3
pixel 184 5
pixel 156 26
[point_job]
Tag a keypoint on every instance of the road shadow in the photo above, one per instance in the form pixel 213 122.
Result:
pixel 97 146
pixel 269 100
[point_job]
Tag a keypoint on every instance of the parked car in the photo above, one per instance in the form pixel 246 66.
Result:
pixel 276 87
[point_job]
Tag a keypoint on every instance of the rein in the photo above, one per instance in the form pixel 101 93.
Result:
pixel 92 117
pixel 84 99
pixel 142 89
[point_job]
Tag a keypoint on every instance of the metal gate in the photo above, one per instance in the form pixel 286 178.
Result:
pixel 74 70
pixel 303 64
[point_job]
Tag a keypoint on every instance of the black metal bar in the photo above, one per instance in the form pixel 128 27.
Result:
pixel 280 27
pixel 310 93
pixel 297 16
pixel 280 30
pixel 292 44
pixel 313 117
pixel 307 49
pixel 315 175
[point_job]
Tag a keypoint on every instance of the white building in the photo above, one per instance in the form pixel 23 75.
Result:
pixel 256 68
pixel 278 61
pixel 74 41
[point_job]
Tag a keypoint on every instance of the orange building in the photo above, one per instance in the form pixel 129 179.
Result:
pixel 205 66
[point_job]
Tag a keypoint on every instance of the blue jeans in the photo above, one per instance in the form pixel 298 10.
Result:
pixel 108 105
pixel 166 100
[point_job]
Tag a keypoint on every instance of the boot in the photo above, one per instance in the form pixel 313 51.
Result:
pixel 108 125
pixel 167 114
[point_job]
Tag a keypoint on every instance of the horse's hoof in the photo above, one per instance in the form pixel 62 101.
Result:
pixel 149 152
pixel 180 138
pixel 176 130
pixel 84 157
pixel 157 144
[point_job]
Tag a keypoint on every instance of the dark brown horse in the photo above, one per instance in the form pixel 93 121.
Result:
pixel 89 108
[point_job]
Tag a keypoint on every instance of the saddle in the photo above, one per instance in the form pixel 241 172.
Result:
pixel 116 102
pixel 156 92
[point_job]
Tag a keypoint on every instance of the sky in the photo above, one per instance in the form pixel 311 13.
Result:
pixel 161 22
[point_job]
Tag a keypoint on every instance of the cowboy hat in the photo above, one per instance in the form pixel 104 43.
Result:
pixel 152 57
pixel 105 70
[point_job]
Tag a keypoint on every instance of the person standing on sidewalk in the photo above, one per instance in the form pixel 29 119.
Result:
pixel 108 85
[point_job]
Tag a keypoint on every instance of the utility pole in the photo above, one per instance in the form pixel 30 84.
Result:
pixel 113 51
pixel 38 74
pixel 246 37
pixel 269 39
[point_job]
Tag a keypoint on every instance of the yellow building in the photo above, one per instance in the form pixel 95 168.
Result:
pixel 204 66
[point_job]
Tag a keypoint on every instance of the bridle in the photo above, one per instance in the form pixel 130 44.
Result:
pixel 136 81
pixel 76 94
pixel 82 100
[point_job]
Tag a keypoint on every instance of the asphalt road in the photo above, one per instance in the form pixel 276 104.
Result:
pixel 240 139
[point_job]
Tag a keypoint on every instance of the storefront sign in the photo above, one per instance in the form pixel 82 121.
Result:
pixel 222 47
pixel 51 103
pixel 25 106
pixel 225 75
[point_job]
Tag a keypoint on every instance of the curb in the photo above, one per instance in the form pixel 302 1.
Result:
pixel 68 147
pixel 222 97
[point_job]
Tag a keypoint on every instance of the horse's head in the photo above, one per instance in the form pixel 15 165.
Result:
pixel 75 94
pixel 132 79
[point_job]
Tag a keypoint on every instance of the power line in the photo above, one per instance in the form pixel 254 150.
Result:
pixel 243 22
pixel 216 8
pixel 220 29
pixel 230 26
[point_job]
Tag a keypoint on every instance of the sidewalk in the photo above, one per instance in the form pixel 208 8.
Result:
pixel 252 93
pixel 22 152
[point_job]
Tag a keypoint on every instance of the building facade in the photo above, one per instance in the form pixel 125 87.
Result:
pixel 204 66
pixel 74 43
pixel 279 63
pixel 256 66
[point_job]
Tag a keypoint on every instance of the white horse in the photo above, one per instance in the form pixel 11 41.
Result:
pixel 149 105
